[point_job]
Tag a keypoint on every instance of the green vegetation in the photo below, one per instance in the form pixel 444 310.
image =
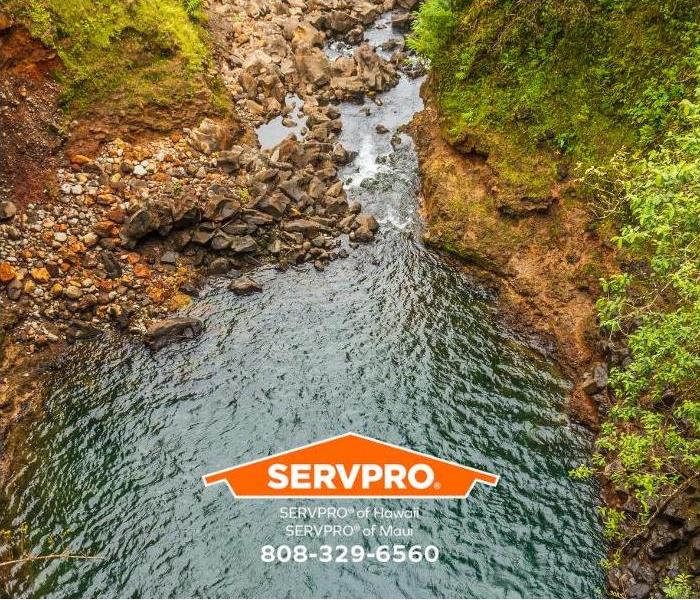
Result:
pixel 545 82
pixel 608 86
pixel 656 305
pixel 134 53
pixel 678 586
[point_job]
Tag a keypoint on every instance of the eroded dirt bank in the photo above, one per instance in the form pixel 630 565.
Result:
pixel 544 261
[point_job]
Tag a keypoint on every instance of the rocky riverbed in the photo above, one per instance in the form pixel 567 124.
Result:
pixel 125 237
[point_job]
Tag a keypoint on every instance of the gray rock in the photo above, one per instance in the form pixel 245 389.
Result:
pixel 169 257
pixel 244 285
pixel 638 590
pixel 220 266
pixel 596 381
pixel 210 137
pixel 112 266
pixel 161 333
pixel 81 330
pixel 220 241
pixel 202 236
pixel 14 290
pixel 243 244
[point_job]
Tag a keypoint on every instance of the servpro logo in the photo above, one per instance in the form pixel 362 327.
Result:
pixel 350 466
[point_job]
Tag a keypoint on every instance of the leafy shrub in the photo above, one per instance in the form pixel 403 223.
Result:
pixel 678 587
pixel 433 27
pixel 657 305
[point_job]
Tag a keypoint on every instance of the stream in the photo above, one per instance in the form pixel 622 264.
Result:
pixel 391 343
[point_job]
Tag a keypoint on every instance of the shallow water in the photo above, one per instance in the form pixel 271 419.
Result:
pixel 274 131
pixel 390 343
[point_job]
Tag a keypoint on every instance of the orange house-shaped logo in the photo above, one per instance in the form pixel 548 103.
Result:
pixel 350 466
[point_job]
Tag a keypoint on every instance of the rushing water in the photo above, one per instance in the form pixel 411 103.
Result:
pixel 390 343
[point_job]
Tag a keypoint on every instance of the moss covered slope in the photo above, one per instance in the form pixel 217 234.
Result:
pixel 554 82
pixel 131 53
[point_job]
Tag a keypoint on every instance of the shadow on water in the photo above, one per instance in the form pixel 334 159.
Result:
pixel 389 343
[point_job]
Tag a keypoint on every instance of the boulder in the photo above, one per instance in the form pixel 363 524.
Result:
pixel 377 74
pixel 275 205
pixel 596 381
pixel 363 234
pixel 221 208
pixel 7 272
pixel 242 244
pixel 111 264
pixel 341 22
pixel 7 210
pixel 14 290
pixel 81 330
pixel 368 221
pixel 219 266
pixel 169 257
pixel 210 137
pixel 139 225
pixel 402 21
pixel 306 227
pixel 161 333
pixel 229 160
pixel 244 285
pixel 313 66
pixel 220 241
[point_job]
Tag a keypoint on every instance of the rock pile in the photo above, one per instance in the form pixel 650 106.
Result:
pixel 128 234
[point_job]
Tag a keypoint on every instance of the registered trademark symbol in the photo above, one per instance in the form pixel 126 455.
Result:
pixel 437 485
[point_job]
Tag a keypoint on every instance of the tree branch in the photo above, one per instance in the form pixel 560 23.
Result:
pixel 50 557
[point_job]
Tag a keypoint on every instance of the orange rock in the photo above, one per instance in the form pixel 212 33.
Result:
pixel 116 215
pixel 40 275
pixel 142 271
pixel 179 301
pixel 105 229
pixel 80 159
pixel 56 290
pixel 65 267
pixel 133 257
pixel 157 295
pixel 7 272
pixel 77 247
pixel 107 199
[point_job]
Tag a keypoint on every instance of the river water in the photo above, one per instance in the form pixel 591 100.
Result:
pixel 390 343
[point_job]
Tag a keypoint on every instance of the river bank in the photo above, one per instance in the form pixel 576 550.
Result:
pixel 544 269
pixel 124 232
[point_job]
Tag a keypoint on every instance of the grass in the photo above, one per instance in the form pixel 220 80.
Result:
pixel 133 53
